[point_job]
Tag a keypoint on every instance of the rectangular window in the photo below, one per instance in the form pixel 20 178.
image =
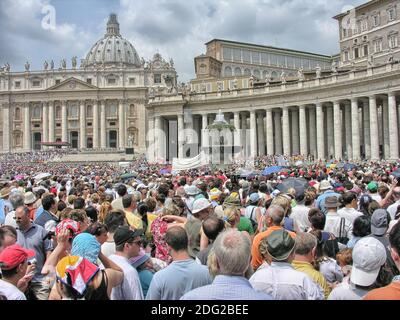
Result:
pixel 58 125
pixel 375 20
pixel 274 59
pixel 132 81
pixel 36 125
pixel 231 84
pixel 112 81
pixel 89 124
pixel 246 56
pixel 89 80
pixel 157 78
pixel 364 25
pixel 237 56
pixel 346 56
pixel 393 40
pixel 255 57
pixel 344 32
pixel 378 45
pixel 112 124
pixel 36 83
pixel 208 87
pixel 227 53
pixel 356 53
pixel 365 51
pixel 17 84
pixel 264 58
pixel 392 14
pixel 245 83
pixel 58 81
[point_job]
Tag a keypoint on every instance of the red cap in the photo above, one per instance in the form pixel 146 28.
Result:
pixel 14 255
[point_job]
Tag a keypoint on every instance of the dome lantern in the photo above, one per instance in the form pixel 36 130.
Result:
pixel 112 26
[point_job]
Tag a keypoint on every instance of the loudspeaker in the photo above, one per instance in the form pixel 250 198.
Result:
pixel 129 150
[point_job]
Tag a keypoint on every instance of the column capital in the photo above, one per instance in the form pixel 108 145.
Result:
pixel 391 94
pixel 354 100
pixel 302 107
pixel 372 96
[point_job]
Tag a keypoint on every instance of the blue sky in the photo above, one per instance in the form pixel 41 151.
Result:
pixel 176 29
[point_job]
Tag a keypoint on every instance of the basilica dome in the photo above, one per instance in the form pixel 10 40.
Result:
pixel 112 49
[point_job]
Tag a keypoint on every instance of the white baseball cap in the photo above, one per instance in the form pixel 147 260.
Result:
pixel 200 204
pixel 369 255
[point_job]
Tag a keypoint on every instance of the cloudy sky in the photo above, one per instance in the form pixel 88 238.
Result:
pixel 176 29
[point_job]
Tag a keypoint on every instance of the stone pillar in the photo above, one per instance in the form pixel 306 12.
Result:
pixel 103 125
pixel 366 129
pixel 393 127
pixel 385 125
pixel 244 134
pixel 237 132
pixel 51 122
pixel 95 125
pixel 64 121
pixel 82 125
pixel 261 135
pixel 285 131
pixel 313 132
pixel 151 146
pixel 121 124
pixel 253 134
pixel 347 113
pixel 337 130
pixel 330 132
pixel 270 132
pixel 6 127
pixel 181 136
pixel 27 128
pixel 295 132
pixel 45 118
pixel 373 123
pixel 303 131
pixel 320 132
pixel 278 133
pixel 355 129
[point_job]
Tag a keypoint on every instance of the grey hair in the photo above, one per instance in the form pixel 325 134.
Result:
pixel 232 252
pixel 137 196
pixel 277 213
pixel 17 200
pixel 305 242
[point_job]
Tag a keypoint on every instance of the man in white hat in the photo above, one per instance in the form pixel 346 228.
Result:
pixel 326 189
pixel 369 256
pixel 30 200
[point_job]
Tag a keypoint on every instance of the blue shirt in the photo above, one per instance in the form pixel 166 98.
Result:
pixel 2 214
pixel 178 278
pixel 321 200
pixel 39 211
pixel 44 217
pixel 145 277
pixel 227 288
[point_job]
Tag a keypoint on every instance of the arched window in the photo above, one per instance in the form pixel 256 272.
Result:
pixel 238 71
pixel 274 75
pixel 89 111
pixel 265 74
pixel 247 72
pixel 132 111
pixel 17 115
pixel 228 72
pixel 257 74
pixel 58 112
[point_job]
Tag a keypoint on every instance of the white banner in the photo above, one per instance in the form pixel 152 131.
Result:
pixel 179 164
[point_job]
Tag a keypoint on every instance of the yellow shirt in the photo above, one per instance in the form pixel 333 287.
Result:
pixel 134 220
pixel 315 275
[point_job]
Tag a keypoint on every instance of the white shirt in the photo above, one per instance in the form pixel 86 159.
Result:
pixel 391 209
pixel 332 225
pixel 376 197
pixel 347 291
pixel 283 282
pixel 300 217
pixel 130 288
pixel 349 213
pixel 108 248
pixel 10 291
pixel 10 221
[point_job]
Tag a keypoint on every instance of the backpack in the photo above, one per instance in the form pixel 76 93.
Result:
pixel 254 223
pixel 330 247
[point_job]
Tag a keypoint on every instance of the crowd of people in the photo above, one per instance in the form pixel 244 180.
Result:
pixel 310 231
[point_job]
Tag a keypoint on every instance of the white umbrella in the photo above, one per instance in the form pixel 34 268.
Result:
pixel 41 176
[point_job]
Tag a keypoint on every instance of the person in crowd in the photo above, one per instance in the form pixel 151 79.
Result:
pixel 17 200
pixel 29 202
pixel 49 210
pixel 113 220
pixel 326 188
pixel 274 217
pixel 304 259
pixel 229 264
pixel 182 275
pixel 349 212
pixel 212 227
pixel 130 206
pixel 279 279
pixel 300 211
pixel 361 228
pixel 121 191
pixel 99 230
pixel 145 268
pixel 369 256
pixel 105 209
pixel 127 246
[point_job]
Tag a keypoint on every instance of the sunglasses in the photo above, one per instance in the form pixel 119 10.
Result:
pixel 138 242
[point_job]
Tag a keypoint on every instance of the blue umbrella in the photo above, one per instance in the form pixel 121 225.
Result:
pixel 396 174
pixel 271 170
pixel 349 166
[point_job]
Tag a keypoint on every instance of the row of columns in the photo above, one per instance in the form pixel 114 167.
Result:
pixel 336 129
pixel 48 124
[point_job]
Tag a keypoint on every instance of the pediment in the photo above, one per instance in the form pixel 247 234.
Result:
pixel 72 84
